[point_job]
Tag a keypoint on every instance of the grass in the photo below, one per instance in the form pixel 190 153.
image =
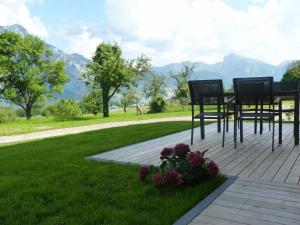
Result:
pixel 21 125
pixel 50 182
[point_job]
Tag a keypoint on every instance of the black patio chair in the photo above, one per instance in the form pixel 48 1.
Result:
pixel 257 91
pixel 293 85
pixel 208 92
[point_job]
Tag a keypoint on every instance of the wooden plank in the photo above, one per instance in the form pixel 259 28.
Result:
pixel 253 165
pixel 294 175
pixel 288 163
pixel 237 215
pixel 253 152
pixel 206 219
pixel 257 209
pixel 258 203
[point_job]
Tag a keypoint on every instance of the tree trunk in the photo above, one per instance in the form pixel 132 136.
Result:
pixel 125 106
pixel 105 103
pixel 28 112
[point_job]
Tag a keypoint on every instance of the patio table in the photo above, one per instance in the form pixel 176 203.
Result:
pixel 294 94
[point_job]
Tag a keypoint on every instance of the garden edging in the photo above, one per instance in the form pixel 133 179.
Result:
pixel 201 206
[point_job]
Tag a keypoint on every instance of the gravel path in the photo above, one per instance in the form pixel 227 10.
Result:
pixel 80 129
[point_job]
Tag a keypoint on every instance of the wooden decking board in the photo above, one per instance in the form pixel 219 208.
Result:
pixel 275 213
pixel 259 204
pixel 221 154
pixel 253 165
pixel 253 202
pixel 246 154
pixel 294 175
pixel 271 193
pixel 287 166
pixel 277 164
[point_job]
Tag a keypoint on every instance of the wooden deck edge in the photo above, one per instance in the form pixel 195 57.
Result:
pixel 201 206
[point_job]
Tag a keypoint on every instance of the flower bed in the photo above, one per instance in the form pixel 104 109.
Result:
pixel 180 166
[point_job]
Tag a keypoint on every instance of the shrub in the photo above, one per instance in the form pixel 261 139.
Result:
pixel 158 104
pixel 7 114
pixel 92 103
pixel 65 109
pixel 180 166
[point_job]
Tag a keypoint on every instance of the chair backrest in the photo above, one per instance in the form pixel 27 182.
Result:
pixel 290 85
pixel 254 90
pixel 206 92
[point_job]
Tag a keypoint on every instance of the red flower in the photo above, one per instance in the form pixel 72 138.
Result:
pixel 213 167
pixel 143 173
pixel 182 149
pixel 195 159
pixel 174 178
pixel 159 180
pixel 166 152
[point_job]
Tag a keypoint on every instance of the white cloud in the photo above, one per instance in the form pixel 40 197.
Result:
pixel 79 39
pixel 178 30
pixel 17 12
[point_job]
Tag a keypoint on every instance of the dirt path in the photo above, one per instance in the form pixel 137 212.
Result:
pixel 80 129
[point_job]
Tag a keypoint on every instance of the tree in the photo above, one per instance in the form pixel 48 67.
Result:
pixel 109 71
pixel 155 86
pixel 128 98
pixel 182 78
pixel 92 103
pixel 292 72
pixel 28 75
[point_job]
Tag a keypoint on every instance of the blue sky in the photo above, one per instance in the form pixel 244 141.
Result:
pixel 165 30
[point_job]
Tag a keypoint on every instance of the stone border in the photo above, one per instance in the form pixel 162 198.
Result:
pixel 201 206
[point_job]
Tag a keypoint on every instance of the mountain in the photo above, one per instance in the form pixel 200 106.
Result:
pixel 14 28
pixel 74 64
pixel 233 65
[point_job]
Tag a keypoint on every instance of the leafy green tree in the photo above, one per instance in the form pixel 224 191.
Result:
pixel 109 71
pixel 92 103
pixel 28 75
pixel 292 72
pixel 182 78
pixel 155 86
pixel 128 98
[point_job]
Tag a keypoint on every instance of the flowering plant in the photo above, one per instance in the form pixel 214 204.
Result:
pixel 180 166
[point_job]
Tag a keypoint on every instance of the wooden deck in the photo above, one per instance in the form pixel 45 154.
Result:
pixel 267 190
pixel 253 158
pixel 254 202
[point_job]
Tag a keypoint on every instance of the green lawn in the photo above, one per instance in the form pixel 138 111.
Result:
pixel 50 182
pixel 21 125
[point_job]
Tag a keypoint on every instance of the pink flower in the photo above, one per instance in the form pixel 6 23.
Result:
pixel 159 180
pixel 166 152
pixel 182 149
pixel 174 178
pixel 143 173
pixel 195 159
pixel 213 167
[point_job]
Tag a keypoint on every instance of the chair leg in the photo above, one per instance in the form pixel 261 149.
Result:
pixel 255 120
pixel 192 132
pixel 241 130
pixel 224 122
pixel 234 131
pixel 280 122
pixel 261 125
pixel 202 128
pixel 269 119
pixel 273 133
pixel 227 123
